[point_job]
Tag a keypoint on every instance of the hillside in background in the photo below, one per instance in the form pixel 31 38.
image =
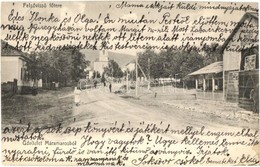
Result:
pixel 121 58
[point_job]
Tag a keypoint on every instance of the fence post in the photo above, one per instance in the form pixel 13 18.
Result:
pixel 15 86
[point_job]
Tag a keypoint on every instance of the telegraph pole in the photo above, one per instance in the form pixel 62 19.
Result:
pixel 136 72
pixel 127 82
pixel 149 73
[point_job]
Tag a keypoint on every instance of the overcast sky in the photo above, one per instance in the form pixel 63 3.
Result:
pixel 93 9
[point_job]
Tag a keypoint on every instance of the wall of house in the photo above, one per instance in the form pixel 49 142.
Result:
pixel 231 86
pixel 23 81
pixel 231 65
pixel 21 65
pixel 9 68
pixel 103 55
pixel 232 60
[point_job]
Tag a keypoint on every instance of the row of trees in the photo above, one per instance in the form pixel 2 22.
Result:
pixel 58 66
pixel 168 63
pixel 70 65
pixel 66 66
pixel 113 70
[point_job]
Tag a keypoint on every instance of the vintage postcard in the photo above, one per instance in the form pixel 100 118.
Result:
pixel 129 83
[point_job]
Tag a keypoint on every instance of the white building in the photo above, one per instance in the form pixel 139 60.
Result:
pixel 14 68
pixel 102 62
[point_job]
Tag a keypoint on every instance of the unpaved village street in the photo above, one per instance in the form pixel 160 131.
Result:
pixel 233 136
pixel 98 105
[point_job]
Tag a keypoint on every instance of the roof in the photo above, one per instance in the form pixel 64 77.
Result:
pixel 213 68
pixel 131 62
pixel 242 20
pixel 9 50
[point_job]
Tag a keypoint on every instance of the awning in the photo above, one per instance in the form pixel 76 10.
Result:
pixel 213 68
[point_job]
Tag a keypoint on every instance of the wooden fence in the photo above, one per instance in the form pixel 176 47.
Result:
pixel 8 89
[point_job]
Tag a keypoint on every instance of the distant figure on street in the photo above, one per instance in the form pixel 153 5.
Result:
pixel 56 85
pixel 104 83
pixel 110 87
pixel 95 84
pixel 77 96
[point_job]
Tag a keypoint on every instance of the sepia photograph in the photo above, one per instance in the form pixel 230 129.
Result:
pixel 129 83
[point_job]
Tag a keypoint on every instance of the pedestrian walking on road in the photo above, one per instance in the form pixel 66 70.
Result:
pixel 110 87
pixel 95 84
pixel 77 96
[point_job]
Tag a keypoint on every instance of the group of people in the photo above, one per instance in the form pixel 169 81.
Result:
pixel 110 86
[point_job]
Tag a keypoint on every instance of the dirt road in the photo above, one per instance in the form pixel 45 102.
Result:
pixel 204 133
pixel 98 105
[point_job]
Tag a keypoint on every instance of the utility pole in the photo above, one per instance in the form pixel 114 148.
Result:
pixel 175 78
pixel 127 82
pixel 149 73
pixel 112 71
pixel 136 72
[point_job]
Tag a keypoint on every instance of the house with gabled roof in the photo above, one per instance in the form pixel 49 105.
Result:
pixel 241 61
pixel 14 68
pixel 239 71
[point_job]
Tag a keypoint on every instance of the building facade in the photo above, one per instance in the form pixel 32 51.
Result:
pixel 240 61
pixel 209 78
pixel 14 68
pixel 102 62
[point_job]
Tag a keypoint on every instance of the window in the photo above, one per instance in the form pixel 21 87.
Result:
pixel 249 59
pixel 250 62
pixel 22 73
